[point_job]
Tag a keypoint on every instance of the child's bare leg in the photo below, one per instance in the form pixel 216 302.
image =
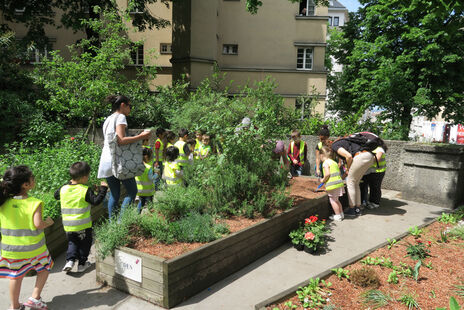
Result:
pixel 15 289
pixel 40 283
pixel 336 205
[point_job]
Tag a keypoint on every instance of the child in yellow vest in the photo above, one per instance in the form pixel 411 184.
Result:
pixel 23 240
pixel 324 135
pixel 160 144
pixel 145 182
pixel 76 199
pixel 297 153
pixel 333 181
pixel 205 149
pixel 172 171
pixel 198 143
pixel 183 157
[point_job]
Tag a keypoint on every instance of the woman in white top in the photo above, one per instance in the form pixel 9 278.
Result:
pixel 121 108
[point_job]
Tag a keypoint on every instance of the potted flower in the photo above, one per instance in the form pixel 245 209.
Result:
pixel 297 237
pixel 311 236
pixel 314 232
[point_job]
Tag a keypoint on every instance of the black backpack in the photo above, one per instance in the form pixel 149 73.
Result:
pixel 367 141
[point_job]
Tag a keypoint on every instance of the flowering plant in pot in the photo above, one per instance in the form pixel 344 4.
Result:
pixel 297 237
pixel 314 232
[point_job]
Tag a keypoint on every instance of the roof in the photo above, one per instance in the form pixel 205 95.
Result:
pixel 334 4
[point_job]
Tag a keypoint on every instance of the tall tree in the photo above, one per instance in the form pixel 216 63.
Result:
pixel 402 56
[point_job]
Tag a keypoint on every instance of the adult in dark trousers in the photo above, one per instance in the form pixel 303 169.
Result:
pixel 372 181
pixel 117 122
pixel 357 162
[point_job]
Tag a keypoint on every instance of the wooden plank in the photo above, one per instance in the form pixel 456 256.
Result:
pixel 147 284
pixel 292 217
pixel 123 285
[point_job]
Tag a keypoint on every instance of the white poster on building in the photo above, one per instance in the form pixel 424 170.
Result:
pixel 127 265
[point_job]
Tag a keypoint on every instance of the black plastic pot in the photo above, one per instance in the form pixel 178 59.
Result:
pixel 298 247
pixel 309 250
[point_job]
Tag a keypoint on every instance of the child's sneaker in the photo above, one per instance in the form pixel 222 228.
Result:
pixel 357 211
pixel 372 205
pixel 21 307
pixel 36 304
pixel 69 266
pixel 82 268
pixel 336 217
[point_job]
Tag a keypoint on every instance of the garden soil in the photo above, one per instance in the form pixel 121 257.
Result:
pixel 433 289
pixel 301 189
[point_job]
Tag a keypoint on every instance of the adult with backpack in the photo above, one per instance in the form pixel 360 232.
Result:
pixel 356 150
pixel 372 181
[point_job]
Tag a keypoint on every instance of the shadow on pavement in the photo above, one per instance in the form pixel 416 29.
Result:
pixel 87 299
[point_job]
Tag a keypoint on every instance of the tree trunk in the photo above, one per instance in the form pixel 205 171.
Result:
pixel 406 119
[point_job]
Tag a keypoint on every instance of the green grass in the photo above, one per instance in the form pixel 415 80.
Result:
pixel 375 298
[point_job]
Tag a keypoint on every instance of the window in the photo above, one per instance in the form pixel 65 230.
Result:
pixel 307 8
pixel 20 11
pixel 38 54
pixel 305 106
pixel 330 20
pixel 165 48
pixel 304 59
pixel 137 55
pixel 336 21
pixel 230 49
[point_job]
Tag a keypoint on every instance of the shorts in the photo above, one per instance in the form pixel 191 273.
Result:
pixel 335 193
pixel 12 268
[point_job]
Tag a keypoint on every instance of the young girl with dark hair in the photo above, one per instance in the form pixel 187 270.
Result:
pixel 23 240
pixel 324 135
pixel 117 123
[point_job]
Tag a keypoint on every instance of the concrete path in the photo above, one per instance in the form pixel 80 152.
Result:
pixel 279 270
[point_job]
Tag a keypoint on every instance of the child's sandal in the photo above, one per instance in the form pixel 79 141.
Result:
pixel 36 304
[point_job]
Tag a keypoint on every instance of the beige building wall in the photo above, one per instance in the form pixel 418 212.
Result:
pixel 267 45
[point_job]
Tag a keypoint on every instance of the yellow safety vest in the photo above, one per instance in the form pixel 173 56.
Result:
pixel 335 180
pixel 20 238
pixel 170 173
pixel 182 160
pixel 74 209
pixel 382 163
pixel 205 149
pixel 302 147
pixel 160 152
pixel 319 146
pixel 145 186
pixel 198 147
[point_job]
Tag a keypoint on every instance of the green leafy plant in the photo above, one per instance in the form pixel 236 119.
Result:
pixel 315 294
pixel 375 298
pixel 453 305
pixel 415 272
pixel 457 232
pixel 197 227
pixel 432 294
pixel 297 236
pixel 393 277
pixel 378 261
pixel 443 237
pixel 459 289
pixel 290 305
pixel 409 300
pixel 315 231
pixel 415 231
pixel 418 251
pixel 449 218
pixel 365 277
pixel 341 273
pixel 429 265
pixel 391 243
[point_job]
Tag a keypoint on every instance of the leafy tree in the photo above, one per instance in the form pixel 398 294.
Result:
pixel 402 56
pixel 77 88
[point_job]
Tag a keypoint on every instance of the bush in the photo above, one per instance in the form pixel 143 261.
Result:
pixel 365 277
pixel 177 201
pixel 197 228
pixel 155 226
pixel 50 166
pixel 113 234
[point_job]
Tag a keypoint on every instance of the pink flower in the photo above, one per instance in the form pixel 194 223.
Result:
pixel 313 218
pixel 72 138
pixel 308 221
pixel 309 236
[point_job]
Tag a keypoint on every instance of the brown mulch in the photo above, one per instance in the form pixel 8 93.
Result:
pixel 301 189
pixel 433 289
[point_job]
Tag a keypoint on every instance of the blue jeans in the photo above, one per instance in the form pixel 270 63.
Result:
pixel 115 190
pixel 143 201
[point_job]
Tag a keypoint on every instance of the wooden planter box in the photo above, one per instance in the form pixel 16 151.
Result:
pixel 56 237
pixel 167 282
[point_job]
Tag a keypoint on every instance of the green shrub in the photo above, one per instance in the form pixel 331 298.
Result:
pixel 177 201
pixel 197 228
pixel 50 166
pixel 155 226
pixel 115 233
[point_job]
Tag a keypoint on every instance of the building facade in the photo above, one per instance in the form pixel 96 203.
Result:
pixel 282 40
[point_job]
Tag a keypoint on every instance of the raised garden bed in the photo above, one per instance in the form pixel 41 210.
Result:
pixel 56 237
pixel 439 278
pixel 167 282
